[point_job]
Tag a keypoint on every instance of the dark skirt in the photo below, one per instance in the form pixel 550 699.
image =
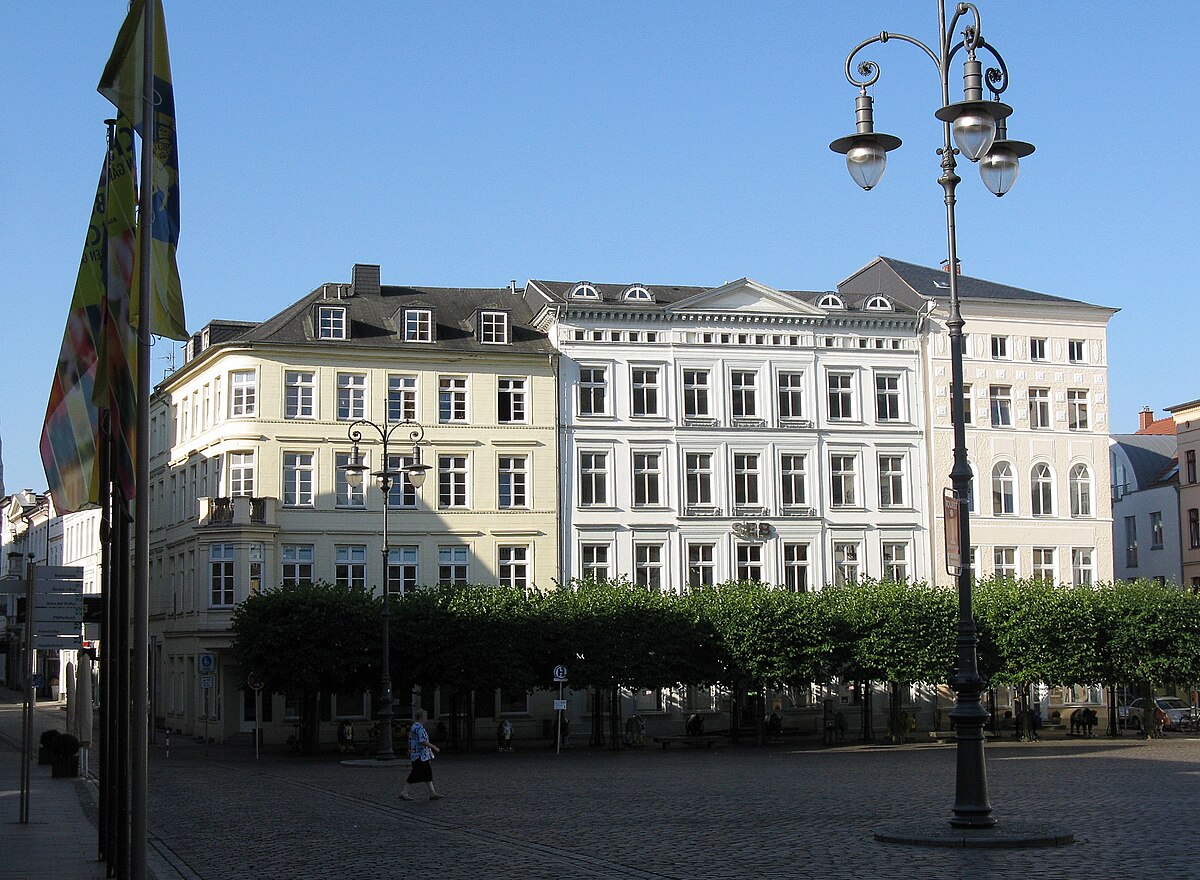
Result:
pixel 422 771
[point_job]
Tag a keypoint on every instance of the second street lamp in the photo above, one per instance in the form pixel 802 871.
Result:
pixel 414 472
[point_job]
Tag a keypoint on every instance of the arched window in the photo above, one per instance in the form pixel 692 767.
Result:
pixel 1003 492
pixel 638 293
pixel 1041 483
pixel 879 304
pixel 584 290
pixel 1081 491
pixel 831 301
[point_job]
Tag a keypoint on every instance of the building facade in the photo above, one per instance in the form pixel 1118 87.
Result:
pixel 1145 493
pixel 1187 428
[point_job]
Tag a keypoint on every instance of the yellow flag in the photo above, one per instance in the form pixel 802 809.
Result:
pixel 122 83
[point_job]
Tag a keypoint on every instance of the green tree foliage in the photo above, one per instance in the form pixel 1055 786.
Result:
pixel 898 632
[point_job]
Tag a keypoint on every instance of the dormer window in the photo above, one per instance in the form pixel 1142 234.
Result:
pixel 831 301
pixel 418 325
pixel 638 293
pixel 879 304
pixel 584 290
pixel 493 328
pixel 332 323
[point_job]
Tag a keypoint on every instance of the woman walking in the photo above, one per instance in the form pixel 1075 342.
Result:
pixel 420 752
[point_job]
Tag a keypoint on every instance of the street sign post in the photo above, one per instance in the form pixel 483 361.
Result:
pixel 560 705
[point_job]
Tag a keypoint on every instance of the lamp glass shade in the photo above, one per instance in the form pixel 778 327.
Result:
pixel 416 474
pixel 354 477
pixel 866 162
pixel 999 169
pixel 974 133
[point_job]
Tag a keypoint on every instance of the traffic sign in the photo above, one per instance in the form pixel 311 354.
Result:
pixel 58 573
pixel 207 681
pixel 255 681
pixel 560 673
pixel 560 705
pixel 207 663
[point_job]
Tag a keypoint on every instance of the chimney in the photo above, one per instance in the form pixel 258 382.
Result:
pixel 512 287
pixel 1145 418
pixel 364 279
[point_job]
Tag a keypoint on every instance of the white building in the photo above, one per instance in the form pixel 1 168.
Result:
pixel 1145 493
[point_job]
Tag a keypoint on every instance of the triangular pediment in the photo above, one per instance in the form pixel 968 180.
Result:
pixel 745 296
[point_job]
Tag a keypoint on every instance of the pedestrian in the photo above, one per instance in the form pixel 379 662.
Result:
pixel 420 752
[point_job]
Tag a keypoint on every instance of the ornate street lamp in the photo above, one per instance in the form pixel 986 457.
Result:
pixel 979 133
pixel 355 469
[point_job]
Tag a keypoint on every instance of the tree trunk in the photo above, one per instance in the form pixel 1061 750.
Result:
pixel 614 719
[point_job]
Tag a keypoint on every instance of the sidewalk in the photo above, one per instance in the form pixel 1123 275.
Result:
pixel 60 840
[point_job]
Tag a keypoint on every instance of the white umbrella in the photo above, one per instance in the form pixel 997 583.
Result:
pixel 72 721
pixel 83 700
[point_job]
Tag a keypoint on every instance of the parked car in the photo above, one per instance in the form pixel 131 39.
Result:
pixel 1179 714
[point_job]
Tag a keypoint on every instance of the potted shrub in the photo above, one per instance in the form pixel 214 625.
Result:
pixel 44 743
pixel 64 756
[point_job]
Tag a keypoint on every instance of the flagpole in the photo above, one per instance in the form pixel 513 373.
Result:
pixel 139 679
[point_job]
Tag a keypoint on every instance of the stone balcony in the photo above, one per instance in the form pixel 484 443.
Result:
pixel 240 510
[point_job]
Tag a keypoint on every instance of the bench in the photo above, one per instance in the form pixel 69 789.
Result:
pixel 693 741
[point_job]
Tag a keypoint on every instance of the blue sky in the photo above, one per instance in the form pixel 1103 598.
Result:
pixel 469 144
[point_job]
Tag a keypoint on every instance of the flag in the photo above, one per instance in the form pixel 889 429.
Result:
pixel 69 434
pixel 122 83
pixel 116 355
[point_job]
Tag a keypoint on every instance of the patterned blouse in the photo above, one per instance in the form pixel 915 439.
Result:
pixel 418 743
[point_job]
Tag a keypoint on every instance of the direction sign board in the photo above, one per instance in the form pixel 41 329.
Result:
pixel 72 642
pixel 57 628
pixel 58 606
pixel 58 573
pixel 207 681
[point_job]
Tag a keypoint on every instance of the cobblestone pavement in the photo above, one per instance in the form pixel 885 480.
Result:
pixel 733 812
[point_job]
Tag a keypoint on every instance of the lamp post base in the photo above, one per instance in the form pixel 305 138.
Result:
pixel 1005 834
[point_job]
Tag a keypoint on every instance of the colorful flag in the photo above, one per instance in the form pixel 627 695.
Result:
pixel 122 83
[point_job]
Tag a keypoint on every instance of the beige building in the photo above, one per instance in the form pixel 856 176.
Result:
pixel 247 442
pixel 1187 434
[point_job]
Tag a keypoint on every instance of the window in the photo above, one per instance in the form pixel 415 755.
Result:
pixel 418 325
pixel 645 391
pixel 1076 349
pixel 514 567
pixel 402 569
pixel 347 495
pixel 1190 458
pixel 843 471
pixel 452 481
pixel 593 479
pixel 1000 348
pixel 1194 528
pixel 831 301
pixel 297 563
pixel 241 473
pixel 298 479
pixel 791 395
pixel 887 398
pixel 453 566
pixel 510 401
pixel 647 479
pixel 891 481
pixel 700 565
pixel 1156 530
pixel 1003 490
pixel 745 479
pixel 1131 548
pixel 1039 408
pixel 220 566
pixel 241 394
pixel 699 479
pixel 402 399
pixel 841 396
pixel 1077 409
pixel 350 566
pixel 1042 490
pixel 331 322
pixel 1037 349
pixel 1082 571
pixel 1081 490
pixel 298 395
pixel 583 290
pixel 895 561
pixel 512 480
pixel 594 562
pixel 1004 560
pixel 966 404
pixel 795 567
pixel 593 391
pixel 648 565
pixel 749 562
pixel 845 562
pixel 493 328
pixel 638 293
pixel 743 395
pixel 351 396
pixel 452 399
pixel 695 394
pixel 1043 564
pixel 878 304
pixel 1001 404
pixel 791 477
pixel 401 492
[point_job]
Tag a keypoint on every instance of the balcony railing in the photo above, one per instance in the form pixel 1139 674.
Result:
pixel 240 510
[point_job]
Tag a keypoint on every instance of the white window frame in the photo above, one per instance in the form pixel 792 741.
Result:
pixel 698 479
pixel 418 325
pixel 296 561
pixel 512 399
pixel 1037 348
pixel 594 482
pixel 243 394
pixel 1080 482
pixel 1000 405
pixel 402 397
pixel 1077 410
pixel 300 394
pixel 590 388
pixel 839 386
pixel 796 566
pixel 847 562
pixel 748 561
pixel 647 468
pixel 843 480
pixel 347 495
pixel 1083 566
pixel 595 560
pixel 454 481
pixel 332 322
pixel 743 396
pixel 351 396
pixel 696 391
pixel 747 479
pixel 221 573
pixel 894 554
pixel 454 565
pixel 299 479
pixel 452 400
pixel 350 565
pixel 1039 409
pixel 648 561
pixel 1077 351
pixel 1043 569
pixel 512 482
pixel 889 397
pixel 512 565
pixel 404 568
pixel 1004 486
pixel 241 472
pixel 1004 562
pixel 793 480
pixel 701 564
pixel 493 328
pixel 1000 348
pixel 1041 489
pixel 402 494
pixel 893 479
pixel 790 395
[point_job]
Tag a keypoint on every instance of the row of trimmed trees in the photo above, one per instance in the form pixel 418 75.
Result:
pixel 320 638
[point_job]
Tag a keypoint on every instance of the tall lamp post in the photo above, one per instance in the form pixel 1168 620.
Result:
pixel 415 471
pixel 979 133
